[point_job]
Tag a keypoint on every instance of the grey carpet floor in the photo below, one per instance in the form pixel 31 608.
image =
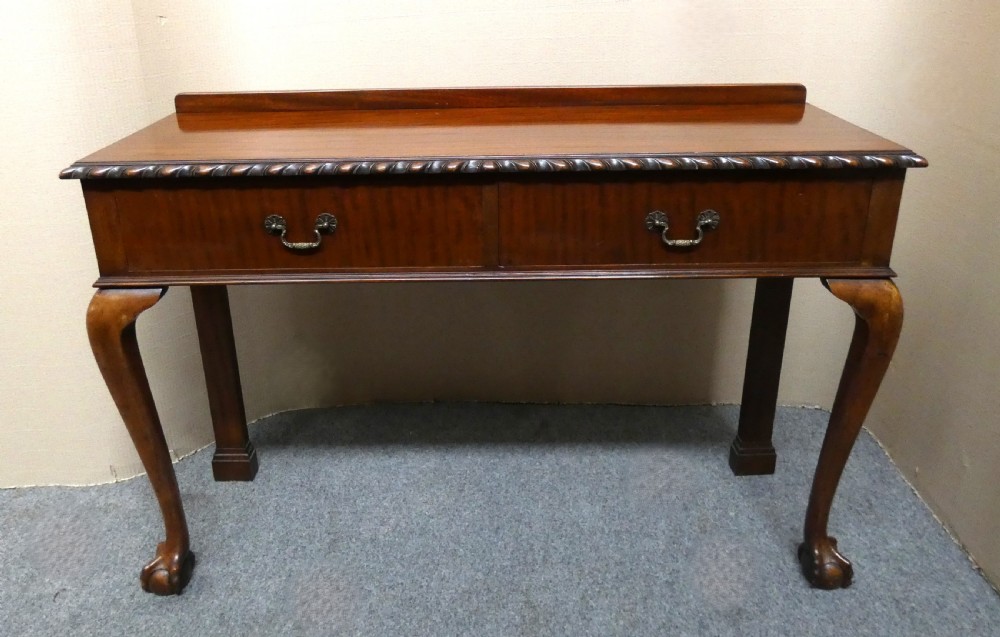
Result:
pixel 482 519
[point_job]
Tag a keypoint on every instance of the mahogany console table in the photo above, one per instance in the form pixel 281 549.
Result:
pixel 494 184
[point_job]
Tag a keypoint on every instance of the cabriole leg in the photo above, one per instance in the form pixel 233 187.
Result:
pixel 111 327
pixel 879 316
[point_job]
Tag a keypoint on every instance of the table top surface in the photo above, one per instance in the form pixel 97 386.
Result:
pixel 493 130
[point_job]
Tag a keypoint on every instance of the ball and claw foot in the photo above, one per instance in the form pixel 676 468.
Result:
pixel 823 565
pixel 168 573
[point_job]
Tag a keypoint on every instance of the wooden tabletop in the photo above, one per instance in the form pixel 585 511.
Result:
pixel 492 130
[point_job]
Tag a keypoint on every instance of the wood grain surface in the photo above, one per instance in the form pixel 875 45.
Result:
pixel 401 224
pixel 642 128
pixel 539 96
pixel 481 133
pixel 764 220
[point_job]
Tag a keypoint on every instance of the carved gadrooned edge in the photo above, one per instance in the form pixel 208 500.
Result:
pixel 490 165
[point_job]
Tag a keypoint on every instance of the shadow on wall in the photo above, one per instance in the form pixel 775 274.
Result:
pixel 642 342
pixel 704 430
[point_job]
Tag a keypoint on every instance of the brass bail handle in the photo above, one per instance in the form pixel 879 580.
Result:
pixel 276 224
pixel 658 221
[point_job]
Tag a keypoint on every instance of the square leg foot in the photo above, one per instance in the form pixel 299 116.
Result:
pixel 239 465
pixel 751 461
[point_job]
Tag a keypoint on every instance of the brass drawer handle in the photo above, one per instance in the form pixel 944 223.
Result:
pixel 657 220
pixel 276 224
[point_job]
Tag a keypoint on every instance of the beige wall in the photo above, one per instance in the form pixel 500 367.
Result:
pixel 71 80
pixel 81 74
pixel 939 409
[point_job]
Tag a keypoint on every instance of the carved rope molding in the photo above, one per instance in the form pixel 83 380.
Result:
pixel 490 165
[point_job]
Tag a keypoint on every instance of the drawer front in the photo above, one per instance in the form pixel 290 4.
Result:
pixel 762 220
pixel 378 226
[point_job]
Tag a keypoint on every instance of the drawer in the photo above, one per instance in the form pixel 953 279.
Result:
pixel 763 219
pixel 379 225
